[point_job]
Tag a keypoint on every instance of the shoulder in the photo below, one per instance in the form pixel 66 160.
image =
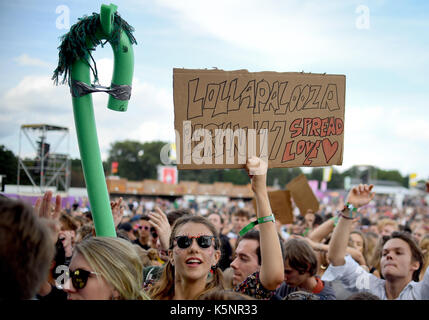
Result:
pixel 253 287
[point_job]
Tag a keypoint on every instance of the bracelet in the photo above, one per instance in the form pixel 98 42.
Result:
pixel 350 208
pixel 251 225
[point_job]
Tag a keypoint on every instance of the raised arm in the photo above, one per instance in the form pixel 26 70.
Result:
pixel 357 197
pixel 272 269
pixel 322 231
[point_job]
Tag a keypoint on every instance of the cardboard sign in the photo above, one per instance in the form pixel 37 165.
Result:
pixel 302 194
pixel 281 205
pixel 288 119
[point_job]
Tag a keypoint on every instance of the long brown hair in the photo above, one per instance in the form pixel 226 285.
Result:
pixel 164 288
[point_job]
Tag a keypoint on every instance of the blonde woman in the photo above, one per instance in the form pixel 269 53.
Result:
pixel 194 252
pixel 105 269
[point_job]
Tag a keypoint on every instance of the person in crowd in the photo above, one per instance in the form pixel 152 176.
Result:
pixel 357 240
pixel 401 259
pixel 258 266
pixel 311 221
pixel 51 289
pixel 194 251
pixel 371 239
pixel 319 240
pixel 162 223
pixel 300 271
pixel 386 226
pixel 105 268
pixel 128 229
pixel 222 294
pixel 144 236
pixel 424 246
pixel 419 233
pixel 27 245
pixel 226 249
pixel 240 218
pixel 87 230
pixel 67 234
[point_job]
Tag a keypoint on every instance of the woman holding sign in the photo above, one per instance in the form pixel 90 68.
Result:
pixel 195 249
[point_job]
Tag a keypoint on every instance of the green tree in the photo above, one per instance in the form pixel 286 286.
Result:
pixel 77 179
pixel 392 175
pixel 281 176
pixel 315 174
pixel 8 165
pixel 337 180
pixel 136 160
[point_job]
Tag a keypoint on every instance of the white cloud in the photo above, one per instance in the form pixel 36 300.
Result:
pixel 25 60
pixel 35 100
pixel 301 34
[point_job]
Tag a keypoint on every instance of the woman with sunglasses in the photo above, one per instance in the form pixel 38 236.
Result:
pixel 105 269
pixel 194 252
pixel 185 274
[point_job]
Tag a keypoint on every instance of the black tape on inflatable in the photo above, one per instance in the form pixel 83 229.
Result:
pixel 120 92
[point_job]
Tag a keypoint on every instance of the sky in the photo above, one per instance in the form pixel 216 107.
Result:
pixel 381 46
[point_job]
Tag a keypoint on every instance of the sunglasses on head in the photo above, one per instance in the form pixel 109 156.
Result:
pixel 79 277
pixel 204 242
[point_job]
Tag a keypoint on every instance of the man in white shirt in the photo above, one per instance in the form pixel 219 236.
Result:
pixel 401 259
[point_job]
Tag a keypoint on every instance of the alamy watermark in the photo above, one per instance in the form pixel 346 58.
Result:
pixel 362 21
pixel 63 20
pixel 198 144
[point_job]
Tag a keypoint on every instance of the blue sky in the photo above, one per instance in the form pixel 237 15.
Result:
pixel 383 51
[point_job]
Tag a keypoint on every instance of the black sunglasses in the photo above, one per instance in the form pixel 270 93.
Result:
pixel 79 277
pixel 204 242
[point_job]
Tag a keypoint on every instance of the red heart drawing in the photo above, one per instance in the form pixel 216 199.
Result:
pixel 329 149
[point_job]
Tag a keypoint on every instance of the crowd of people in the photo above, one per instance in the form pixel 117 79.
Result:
pixel 364 247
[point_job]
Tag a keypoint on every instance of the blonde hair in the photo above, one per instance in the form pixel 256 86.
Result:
pixel 371 240
pixel 364 243
pixel 118 263
pixel 386 222
pixel 148 257
pixel 424 246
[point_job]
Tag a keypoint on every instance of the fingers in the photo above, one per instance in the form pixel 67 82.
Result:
pixel 37 206
pixel 156 221
pixel 46 204
pixel 362 188
pixel 158 210
pixel 256 166
pixel 57 211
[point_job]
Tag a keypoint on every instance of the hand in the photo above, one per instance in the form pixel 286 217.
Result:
pixel 117 211
pixel 257 170
pixel 43 210
pixel 360 195
pixel 158 220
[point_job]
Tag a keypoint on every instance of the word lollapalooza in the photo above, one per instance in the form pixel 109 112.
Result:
pixel 298 117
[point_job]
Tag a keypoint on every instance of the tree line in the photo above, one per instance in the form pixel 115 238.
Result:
pixel 138 161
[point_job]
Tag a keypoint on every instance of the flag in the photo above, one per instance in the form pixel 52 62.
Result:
pixel 412 181
pixel 327 174
pixel 115 167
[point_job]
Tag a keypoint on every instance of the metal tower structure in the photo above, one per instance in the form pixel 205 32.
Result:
pixel 48 168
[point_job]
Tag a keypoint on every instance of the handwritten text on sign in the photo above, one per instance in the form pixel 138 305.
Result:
pixel 221 115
